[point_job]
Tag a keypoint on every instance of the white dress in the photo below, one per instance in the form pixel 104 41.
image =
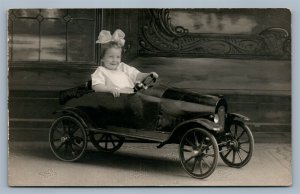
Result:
pixel 123 77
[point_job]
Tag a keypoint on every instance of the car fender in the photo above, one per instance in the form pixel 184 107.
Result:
pixel 181 128
pixel 77 113
pixel 233 116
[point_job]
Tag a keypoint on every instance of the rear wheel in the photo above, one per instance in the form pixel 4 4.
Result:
pixel 198 151
pixel 67 138
pixel 240 145
pixel 106 142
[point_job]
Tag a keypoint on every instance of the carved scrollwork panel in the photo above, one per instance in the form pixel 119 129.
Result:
pixel 158 37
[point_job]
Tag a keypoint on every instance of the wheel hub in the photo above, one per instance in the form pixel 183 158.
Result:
pixel 196 152
pixel 234 144
pixel 64 139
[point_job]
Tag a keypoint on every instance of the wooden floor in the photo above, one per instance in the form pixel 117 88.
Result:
pixel 135 164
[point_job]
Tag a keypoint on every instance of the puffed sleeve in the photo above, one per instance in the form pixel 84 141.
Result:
pixel 131 71
pixel 98 76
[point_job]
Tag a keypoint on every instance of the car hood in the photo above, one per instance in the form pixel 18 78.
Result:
pixel 190 96
pixel 172 93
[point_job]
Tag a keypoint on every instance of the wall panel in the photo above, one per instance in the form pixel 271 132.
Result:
pixel 51 50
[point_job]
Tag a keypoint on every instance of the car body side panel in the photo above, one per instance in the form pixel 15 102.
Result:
pixel 173 112
pixel 104 109
pixel 145 110
pixel 158 108
pixel 178 105
pixel 137 111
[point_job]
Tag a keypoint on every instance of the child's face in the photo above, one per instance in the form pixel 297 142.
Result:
pixel 112 58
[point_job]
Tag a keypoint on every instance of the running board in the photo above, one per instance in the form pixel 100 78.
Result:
pixel 157 137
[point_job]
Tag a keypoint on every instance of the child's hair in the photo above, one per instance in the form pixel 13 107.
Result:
pixel 106 46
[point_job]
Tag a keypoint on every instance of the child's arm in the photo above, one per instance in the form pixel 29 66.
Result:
pixel 103 88
pixel 141 76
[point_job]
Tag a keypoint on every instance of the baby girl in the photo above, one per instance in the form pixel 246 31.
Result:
pixel 112 75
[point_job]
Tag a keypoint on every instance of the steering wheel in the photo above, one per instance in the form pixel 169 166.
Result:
pixel 148 80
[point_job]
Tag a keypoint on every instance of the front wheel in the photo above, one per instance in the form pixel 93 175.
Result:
pixel 239 148
pixel 198 151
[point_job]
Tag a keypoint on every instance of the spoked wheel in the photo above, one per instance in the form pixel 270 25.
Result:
pixel 106 142
pixel 239 147
pixel 67 138
pixel 198 151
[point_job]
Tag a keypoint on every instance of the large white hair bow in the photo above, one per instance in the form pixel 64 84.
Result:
pixel 105 37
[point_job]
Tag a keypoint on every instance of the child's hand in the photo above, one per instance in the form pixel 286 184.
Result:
pixel 154 75
pixel 115 92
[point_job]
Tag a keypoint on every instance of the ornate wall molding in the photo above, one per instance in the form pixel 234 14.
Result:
pixel 158 37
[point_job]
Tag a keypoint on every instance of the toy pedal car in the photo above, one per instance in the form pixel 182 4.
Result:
pixel 200 124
